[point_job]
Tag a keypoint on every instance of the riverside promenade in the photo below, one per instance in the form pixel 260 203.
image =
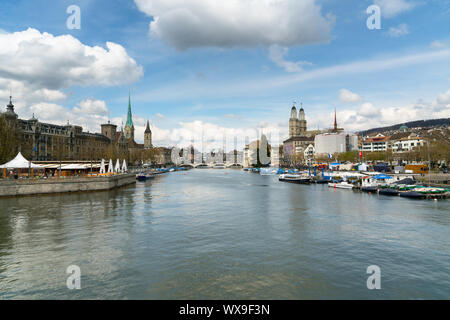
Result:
pixel 25 187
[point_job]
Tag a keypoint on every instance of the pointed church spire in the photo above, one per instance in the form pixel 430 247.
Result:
pixel 147 129
pixel 129 116
pixel 335 120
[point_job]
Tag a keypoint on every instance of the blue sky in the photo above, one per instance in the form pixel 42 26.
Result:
pixel 227 69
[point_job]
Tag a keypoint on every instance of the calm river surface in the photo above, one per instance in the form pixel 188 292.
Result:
pixel 223 234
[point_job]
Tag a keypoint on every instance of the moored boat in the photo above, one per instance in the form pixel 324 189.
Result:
pixel 341 185
pixel 388 192
pixel 295 178
pixel 412 195
pixel 369 189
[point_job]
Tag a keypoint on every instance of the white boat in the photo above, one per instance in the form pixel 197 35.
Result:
pixel 295 178
pixel 219 166
pixel 341 185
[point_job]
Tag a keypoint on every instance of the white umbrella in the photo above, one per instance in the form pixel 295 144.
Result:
pixel 102 167
pixel 124 166
pixel 110 166
pixel 117 168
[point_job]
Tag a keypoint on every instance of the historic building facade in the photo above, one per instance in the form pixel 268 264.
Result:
pixel 49 142
pixel 299 139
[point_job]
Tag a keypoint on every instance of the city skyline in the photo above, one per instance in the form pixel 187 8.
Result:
pixel 181 78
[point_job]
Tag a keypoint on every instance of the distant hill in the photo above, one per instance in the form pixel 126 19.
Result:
pixel 411 125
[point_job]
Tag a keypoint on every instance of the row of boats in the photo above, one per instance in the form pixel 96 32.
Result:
pixel 403 186
pixel 149 175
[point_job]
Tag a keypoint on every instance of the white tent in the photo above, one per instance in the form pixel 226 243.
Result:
pixel 110 166
pixel 102 167
pixel 19 162
pixel 124 166
pixel 73 167
pixel 117 168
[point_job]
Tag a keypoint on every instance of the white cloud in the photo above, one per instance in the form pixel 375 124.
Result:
pixel 437 44
pixel 400 30
pixel 348 96
pixel 92 106
pixel 368 110
pixel 85 114
pixel 444 99
pixel 391 8
pixel 370 115
pixel 231 23
pixel 277 54
pixel 43 60
pixel 37 67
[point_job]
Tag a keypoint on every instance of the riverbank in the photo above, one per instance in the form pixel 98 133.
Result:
pixel 25 187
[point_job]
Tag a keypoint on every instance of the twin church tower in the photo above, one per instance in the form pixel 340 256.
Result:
pixel 297 123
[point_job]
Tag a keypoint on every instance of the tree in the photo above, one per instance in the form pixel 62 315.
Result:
pixel 9 139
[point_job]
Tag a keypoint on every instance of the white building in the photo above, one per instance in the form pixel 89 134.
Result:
pixel 309 153
pixel 340 142
pixel 376 143
pixel 406 143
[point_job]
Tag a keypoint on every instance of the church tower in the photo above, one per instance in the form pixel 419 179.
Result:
pixel 302 122
pixel 148 136
pixel 293 121
pixel 129 127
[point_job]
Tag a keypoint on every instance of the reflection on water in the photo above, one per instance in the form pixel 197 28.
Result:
pixel 214 234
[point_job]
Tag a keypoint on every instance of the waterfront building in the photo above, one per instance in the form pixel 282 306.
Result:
pixel 335 140
pixel 376 143
pixel 49 142
pixel 405 142
pixel 299 138
pixel 331 143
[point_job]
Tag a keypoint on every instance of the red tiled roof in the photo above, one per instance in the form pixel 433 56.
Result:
pixel 376 139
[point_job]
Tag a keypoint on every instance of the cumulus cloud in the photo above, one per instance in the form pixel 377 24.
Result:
pixel 55 62
pixel 348 96
pixel 89 114
pixel 391 8
pixel 277 55
pixel 444 99
pixel 36 68
pixel 370 115
pixel 92 106
pixel 231 23
pixel 400 30
pixel 210 136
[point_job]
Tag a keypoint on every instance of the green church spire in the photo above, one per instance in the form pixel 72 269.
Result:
pixel 130 116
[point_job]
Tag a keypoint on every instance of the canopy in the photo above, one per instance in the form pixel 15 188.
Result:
pixel 73 167
pixel 102 167
pixel 117 168
pixel 110 166
pixel 382 177
pixel 124 166
pixel 19 162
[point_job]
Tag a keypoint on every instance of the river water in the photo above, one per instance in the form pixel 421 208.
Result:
pixel 223 234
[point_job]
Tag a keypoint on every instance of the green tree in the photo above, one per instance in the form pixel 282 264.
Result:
pixel 9 140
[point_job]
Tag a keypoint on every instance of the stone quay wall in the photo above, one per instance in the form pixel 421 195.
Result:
pixel 13 188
